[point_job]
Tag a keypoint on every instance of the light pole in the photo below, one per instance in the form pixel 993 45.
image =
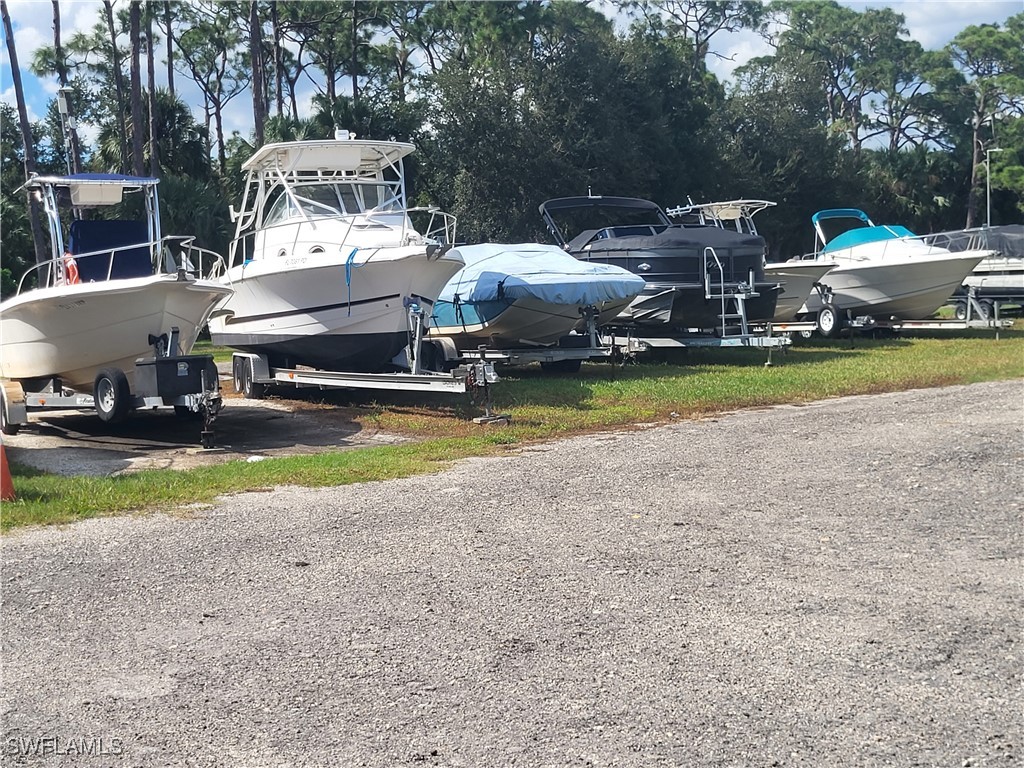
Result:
pixel 988 185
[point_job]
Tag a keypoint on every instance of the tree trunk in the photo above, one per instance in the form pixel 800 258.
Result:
pixel 68 127
pixel 135 22
pixel 259 104
pixel 355 58
pixel 38 238
pixel 973 197
pixel 115 60
pixel 170 47
pixel 154 156
pixel 275 22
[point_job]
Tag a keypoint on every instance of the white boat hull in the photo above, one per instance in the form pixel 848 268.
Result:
pixel 318 311
pixel 907 288
pixel 797 280
pixel 72 332
pixel 998 276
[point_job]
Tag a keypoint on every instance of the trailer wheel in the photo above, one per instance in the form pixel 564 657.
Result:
pixel 113 397
pixel 7 427
pixel 253 390
pixel 960 310
pixel 987 310
pixel 830 321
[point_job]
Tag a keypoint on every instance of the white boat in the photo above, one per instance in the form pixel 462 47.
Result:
pixel 109 293
pixel 527 295
pixel 999 278
pixel 326 264
pixel 884 272
pixel 799 279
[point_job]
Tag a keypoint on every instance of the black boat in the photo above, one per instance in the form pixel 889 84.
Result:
pixel 698 277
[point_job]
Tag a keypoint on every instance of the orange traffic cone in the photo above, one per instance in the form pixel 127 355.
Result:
pixel 6 484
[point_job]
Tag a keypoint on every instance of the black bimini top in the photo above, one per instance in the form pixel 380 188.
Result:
pixel 632 210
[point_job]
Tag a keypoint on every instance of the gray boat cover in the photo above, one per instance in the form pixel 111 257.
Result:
pixel 1008 239
pixel 496 271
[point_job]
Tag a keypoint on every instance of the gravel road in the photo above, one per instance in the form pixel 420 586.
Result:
pixel 838 584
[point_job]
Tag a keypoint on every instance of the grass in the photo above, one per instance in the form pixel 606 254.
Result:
pixel 544 407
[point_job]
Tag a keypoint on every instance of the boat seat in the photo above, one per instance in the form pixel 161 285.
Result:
pixel 111 235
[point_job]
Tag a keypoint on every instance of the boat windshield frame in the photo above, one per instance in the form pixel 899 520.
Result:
pixel 283 170
pixel 596 202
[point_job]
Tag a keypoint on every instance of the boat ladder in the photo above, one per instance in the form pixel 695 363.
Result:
pixel 733 302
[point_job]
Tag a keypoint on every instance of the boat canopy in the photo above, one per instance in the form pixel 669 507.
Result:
pixel 593 207
pixel 495 272
pixel 841 213
pixel 352 155
pixel 89 189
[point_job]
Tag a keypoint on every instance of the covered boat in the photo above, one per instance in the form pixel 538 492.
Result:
pixel 527 295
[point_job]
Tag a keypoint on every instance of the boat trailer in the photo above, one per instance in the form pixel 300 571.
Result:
pixel 252 373
pixel 189 383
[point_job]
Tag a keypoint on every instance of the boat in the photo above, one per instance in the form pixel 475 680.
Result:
pixel 527 295
pixel 884 272
pixel 998 279
pixel 798 279
pixel 327 267
pixel 697 276
pixel 113 292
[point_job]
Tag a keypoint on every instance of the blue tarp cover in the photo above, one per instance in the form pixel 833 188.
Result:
pixel 545 272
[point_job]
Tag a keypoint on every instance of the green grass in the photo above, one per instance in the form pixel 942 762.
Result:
pixel 544 407
pixel 207 347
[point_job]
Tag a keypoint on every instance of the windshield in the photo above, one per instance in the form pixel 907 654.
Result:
pixel 334 199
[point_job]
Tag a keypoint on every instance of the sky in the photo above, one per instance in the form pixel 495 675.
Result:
pixel 933 23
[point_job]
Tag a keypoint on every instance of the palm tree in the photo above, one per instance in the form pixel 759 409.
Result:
pixel 38 239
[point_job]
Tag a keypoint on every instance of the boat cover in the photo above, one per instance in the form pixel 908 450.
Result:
pixel 1007 239
pixel 495 271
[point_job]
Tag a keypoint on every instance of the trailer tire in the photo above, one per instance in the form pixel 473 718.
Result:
pixel 112 395
pixel 988 310
pixel 960 310
pixel 7 427
pixel 244 383
pixel 830 321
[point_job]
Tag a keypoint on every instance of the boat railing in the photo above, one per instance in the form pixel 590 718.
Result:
pixel 195 261
pixel 884 240
pixel 137 260
pixel 440 227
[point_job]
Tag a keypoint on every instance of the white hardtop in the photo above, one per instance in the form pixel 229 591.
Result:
pixel 739 212
pixel 356 156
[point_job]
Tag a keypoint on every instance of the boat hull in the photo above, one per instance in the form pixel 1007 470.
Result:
pixel 907 289
pixel 525 322
pixel 686 307
pixel 323 312
pixel 72 332
pixel 674 264
pixel 998 277
pixel 797 280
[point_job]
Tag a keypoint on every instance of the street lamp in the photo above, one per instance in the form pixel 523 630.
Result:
pixel 988 185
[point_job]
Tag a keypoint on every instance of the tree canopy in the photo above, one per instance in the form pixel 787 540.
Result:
pixel 511 103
